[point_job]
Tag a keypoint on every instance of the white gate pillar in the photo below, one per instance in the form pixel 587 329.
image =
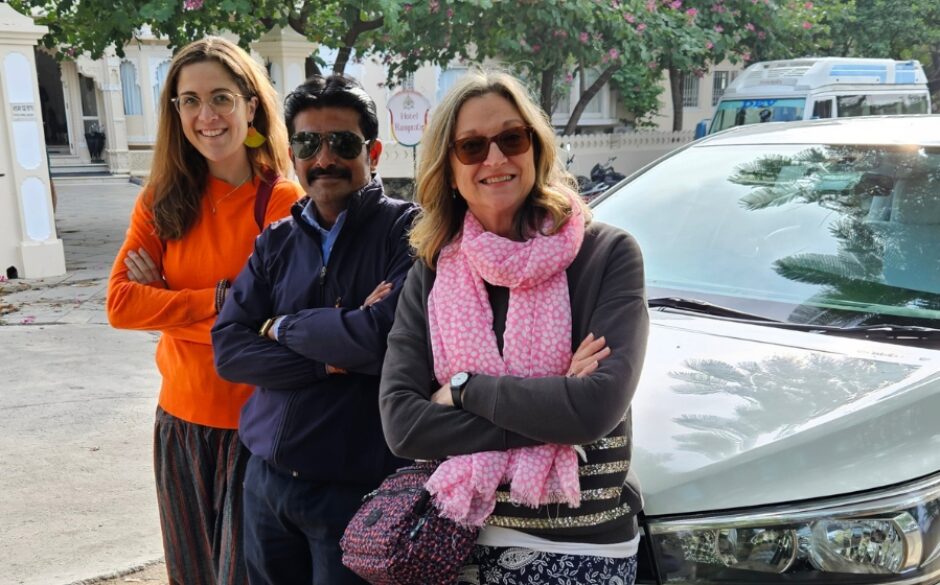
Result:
pixel 28 239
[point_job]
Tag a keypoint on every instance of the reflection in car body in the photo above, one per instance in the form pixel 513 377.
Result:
pixel 787 424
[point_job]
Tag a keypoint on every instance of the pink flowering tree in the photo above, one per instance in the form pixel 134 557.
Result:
pixel 549 44
pixel 693 35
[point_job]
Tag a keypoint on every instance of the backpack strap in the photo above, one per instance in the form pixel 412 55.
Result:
pixel 265 188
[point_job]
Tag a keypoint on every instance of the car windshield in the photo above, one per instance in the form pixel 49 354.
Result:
pixel 731 113
pixel 811 234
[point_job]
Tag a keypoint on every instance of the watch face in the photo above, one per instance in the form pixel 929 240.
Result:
pixel 459 379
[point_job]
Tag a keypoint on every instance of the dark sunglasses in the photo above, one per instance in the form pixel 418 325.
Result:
pixel 474 149
pixel 343 144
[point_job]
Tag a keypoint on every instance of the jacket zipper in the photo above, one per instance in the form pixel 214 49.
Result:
pixel 280 429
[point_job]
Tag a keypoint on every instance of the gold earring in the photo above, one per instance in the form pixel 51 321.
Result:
pixel 254 139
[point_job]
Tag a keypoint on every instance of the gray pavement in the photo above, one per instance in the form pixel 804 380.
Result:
pixel 76 410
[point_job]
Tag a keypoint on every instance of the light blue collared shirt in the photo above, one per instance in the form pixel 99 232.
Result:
pixel 327 239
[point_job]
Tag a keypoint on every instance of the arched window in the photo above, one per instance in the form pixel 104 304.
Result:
pixel 159 78
pixel 131 89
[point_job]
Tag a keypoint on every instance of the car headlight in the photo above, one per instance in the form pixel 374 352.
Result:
pixel 889 536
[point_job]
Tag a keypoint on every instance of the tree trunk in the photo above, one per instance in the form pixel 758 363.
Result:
pixel 547 83
pixel 933 78
pixel 349 41
pixel 675 86
pixel 587 95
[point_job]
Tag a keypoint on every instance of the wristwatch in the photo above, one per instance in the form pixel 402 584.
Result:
pixel 263 332
pixel 457 383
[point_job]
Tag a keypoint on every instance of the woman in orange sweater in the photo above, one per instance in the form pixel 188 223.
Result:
pixel 214 183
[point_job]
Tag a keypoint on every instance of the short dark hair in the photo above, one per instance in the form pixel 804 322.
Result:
pixel 335 91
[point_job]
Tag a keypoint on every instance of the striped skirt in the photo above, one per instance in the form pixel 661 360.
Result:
pixel 200 473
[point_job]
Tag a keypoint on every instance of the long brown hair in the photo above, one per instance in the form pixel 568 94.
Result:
pixel 442 214
pixel 179 173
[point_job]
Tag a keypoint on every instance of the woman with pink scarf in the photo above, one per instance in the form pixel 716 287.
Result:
pixel 517 347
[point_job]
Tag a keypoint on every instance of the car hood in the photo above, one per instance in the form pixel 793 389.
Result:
pixel 730 415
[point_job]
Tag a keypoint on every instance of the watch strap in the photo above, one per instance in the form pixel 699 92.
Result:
pixel 455 392
pixel 266 326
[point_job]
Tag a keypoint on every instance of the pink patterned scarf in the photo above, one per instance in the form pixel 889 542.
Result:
pixel 536 343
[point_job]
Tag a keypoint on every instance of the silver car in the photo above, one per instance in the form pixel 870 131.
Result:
pixel 787 424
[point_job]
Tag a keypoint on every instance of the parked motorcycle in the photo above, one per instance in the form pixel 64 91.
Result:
pixel 603 177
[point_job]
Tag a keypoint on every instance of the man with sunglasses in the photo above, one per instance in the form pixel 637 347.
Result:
pixel 306 322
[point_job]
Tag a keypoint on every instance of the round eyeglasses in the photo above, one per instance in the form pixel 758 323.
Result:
pixel 222 103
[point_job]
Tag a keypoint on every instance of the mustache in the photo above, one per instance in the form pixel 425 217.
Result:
pixel 330 171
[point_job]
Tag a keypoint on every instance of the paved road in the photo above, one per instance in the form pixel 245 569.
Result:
pixel 76 411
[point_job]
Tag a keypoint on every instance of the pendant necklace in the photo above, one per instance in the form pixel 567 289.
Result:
pixel 237 187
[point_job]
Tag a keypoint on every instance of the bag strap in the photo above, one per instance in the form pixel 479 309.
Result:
pixel 263 196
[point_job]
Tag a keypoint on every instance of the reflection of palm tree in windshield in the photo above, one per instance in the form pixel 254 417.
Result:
pixel 851 182
pixel 767 391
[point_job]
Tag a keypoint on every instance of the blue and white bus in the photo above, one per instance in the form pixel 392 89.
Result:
pixel 825 87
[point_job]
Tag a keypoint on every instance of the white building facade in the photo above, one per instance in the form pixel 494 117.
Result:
pixel 118 97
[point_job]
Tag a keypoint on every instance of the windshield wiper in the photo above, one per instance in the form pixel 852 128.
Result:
pixel 883 331
pixel 705 308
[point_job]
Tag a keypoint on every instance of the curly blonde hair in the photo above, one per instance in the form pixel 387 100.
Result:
pixel 441 214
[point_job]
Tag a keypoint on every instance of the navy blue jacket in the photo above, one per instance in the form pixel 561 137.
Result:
pixel 326 427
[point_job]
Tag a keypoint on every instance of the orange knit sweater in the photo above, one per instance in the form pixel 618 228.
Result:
pixel 216 247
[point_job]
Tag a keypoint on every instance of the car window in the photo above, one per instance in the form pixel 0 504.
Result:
pixel 837 235
pixel 731 113
pixel 881 104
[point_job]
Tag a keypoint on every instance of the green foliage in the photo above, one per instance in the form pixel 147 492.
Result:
pixel 628 42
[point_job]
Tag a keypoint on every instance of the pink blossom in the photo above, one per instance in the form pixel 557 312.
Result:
pixel 652 65
pixel 761 35
pixel 407 7
pixel 614 53
pixel 605 58
pixel 709 45
pixel 435 5
pixel 691 12
pixel 746 56
pixel 749 26
pixel 450 13
pixel 651 5
pixel 536 48
pixel 719 28
pixel 719 8
pixel 807 25
pixel 808 6
pixel 569 78
pixel 640 27
pixel 192 4
pixel 676 5
pixel 584 37
pixel 629 18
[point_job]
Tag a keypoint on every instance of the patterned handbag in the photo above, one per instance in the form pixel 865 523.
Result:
pixel 398 538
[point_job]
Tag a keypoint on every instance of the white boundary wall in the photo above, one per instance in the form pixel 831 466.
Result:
pixel 632 150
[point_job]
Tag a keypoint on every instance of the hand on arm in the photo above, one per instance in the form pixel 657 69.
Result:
pixel 380 292
pixel 142 269
pixel 414 426
pixel 137 295
pixel 241 355
pixel 354 339
pixel 583 363
pixel 580 409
